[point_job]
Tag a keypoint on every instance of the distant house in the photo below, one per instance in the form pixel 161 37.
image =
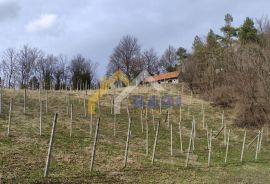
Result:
pixel 170 77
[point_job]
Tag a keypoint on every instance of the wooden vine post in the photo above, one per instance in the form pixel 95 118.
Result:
pixel 203 117
pixel 160 105
pixel 112 104
pixel 168 118
pixel 189 146
pixel 257 146
pixel 193 134
pixel 67 102
pixel 9 116
pixel 40 118
pixel 71 120
pixel 180 137
pixel 142 120
pixel 91 120
pixel 260 144
pixel 114 124
pixel 180 113
pixel 84 106
pixel 39 93
pixel 24 101
pixel 46 105
pixel 127 142
pixel 1 94
pixel 243 147
pixel 155 144
pixel 210 148
pixel 227 147
pixel 94 146
pixel 153 119
pixel 50 147
pixel 146 138
pixel 171 139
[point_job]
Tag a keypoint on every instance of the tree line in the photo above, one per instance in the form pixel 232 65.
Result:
pixel 30 67
pixel 129 57
pixel 232 69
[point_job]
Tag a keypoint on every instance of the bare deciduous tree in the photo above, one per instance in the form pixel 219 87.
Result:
pixel 9 66
pixel 83 71
pixel 126 56
pixel 150 60
pixel 45 67
pixel 169 59
pixel 263 24
pixel 26 62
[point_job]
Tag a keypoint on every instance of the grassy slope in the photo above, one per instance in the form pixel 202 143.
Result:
pixel 22 156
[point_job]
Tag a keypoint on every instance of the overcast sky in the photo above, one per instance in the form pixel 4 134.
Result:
pixel 94 27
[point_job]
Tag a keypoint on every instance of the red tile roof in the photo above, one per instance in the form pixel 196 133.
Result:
pixel 162 76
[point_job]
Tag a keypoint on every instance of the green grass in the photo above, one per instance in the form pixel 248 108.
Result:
pixel 23 154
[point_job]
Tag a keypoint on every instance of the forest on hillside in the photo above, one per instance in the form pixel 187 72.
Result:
pixel 233 69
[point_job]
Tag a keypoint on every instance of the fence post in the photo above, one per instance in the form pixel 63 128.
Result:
pixel 50 147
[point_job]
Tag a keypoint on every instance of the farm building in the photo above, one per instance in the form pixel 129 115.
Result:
pixel 170 77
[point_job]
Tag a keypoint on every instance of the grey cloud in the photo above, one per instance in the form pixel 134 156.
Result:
pixel 95 27
pixel 8 10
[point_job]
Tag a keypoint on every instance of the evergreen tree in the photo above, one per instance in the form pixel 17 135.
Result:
pixel 197 45
pixel 181 54
pixel 228 30
pixel 211 39
pixel 247 32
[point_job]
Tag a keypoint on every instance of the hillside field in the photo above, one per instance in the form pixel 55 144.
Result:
pixel 23 154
